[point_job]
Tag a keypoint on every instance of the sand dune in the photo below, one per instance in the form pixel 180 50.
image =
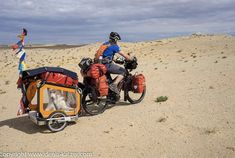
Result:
pixel 196 72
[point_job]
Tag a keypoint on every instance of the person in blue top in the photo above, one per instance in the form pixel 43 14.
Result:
pixel 107 60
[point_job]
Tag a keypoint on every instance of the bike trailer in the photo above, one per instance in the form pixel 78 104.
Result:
pixel 52 96
pixel 56 105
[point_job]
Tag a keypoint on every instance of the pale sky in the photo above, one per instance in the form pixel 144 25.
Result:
pixel 88 21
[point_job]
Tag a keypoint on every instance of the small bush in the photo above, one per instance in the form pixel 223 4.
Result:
pixel 162 119
pixel 210 131
pixel 161 99
pixel 179 51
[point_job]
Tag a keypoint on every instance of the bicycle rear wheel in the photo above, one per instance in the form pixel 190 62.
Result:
pixel 92 104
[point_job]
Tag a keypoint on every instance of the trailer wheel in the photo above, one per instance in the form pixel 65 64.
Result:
pixel 56 121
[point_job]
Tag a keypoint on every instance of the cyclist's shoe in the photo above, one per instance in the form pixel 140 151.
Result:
pixel 113 87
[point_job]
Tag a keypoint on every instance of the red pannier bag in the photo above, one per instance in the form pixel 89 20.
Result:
pixel 101 85
pixel 138 83
pixel 96 71
pixel 58 78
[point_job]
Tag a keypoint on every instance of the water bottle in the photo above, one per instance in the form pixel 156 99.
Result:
pixel 100 59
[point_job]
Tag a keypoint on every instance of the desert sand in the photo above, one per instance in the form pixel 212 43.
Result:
pixel 196 72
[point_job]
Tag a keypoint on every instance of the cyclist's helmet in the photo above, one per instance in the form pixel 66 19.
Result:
pixel 114 36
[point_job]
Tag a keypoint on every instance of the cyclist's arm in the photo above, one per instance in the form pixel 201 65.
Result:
pixel 127 57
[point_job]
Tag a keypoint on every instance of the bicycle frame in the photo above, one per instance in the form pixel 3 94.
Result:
pixel 124 84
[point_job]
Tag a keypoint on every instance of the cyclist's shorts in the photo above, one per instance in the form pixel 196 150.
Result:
pixel 115 69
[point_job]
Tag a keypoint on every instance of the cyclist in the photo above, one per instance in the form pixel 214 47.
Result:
pixel 107 59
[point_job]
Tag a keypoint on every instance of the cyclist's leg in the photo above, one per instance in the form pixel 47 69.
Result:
pixel 120 71
pixel 115 69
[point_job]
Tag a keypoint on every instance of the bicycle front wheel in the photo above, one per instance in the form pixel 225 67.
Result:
pixel 135 98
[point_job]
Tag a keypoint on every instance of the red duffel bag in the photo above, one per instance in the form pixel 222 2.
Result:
pixel 138 83
pixel 58 78
pixel 96 71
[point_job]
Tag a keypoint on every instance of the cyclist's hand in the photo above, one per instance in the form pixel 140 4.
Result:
pixel 126 56
pixel 120 60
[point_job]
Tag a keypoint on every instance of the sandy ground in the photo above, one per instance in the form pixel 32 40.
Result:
pixel 197 73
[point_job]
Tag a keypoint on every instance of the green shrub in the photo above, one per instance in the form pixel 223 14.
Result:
pixel 161 99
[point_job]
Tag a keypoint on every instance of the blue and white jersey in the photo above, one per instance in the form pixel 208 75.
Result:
pixel 111 51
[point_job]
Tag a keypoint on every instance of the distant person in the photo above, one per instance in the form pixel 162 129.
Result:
pixel 105 55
